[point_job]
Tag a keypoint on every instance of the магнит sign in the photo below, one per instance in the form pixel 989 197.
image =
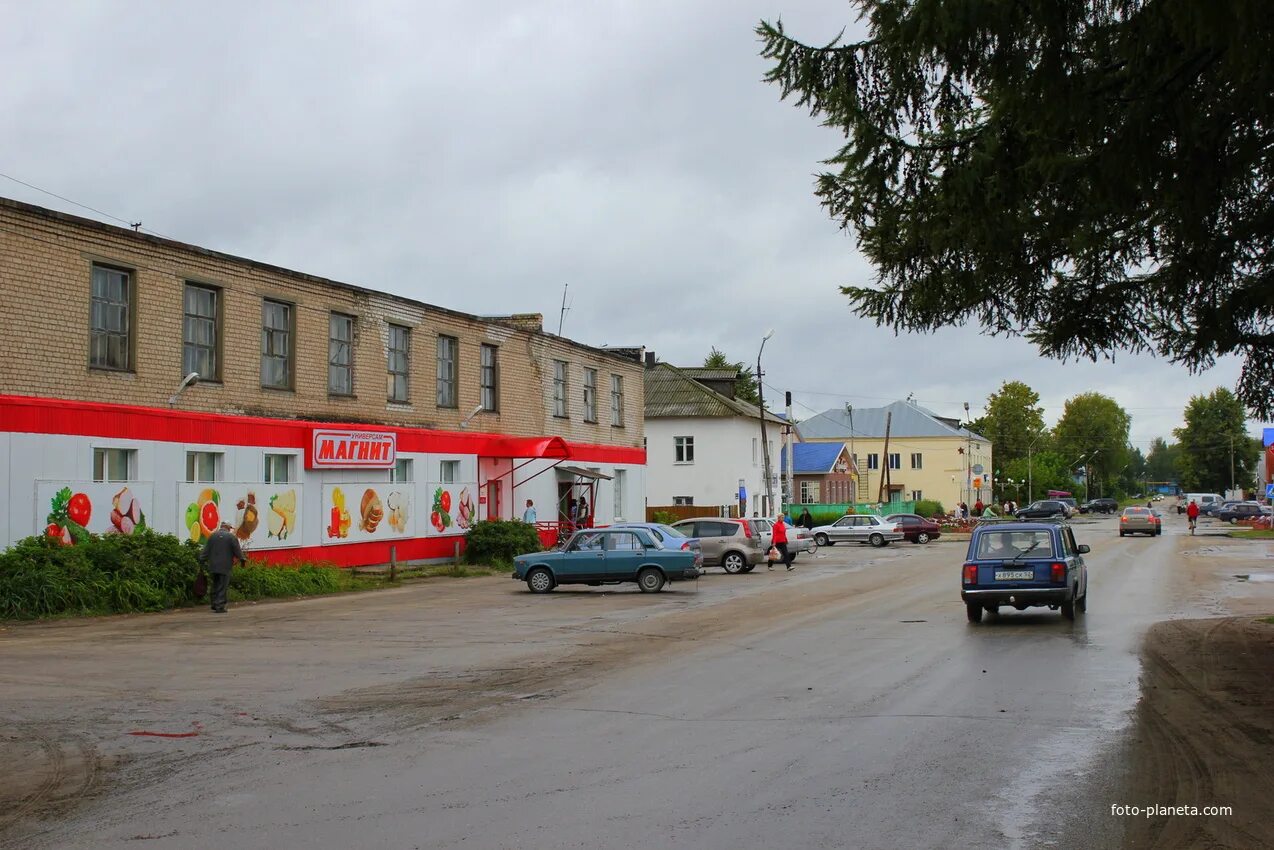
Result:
pixel 352 450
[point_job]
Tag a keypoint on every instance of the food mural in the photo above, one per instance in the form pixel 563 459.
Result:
pixel 72 510
pixel 453 511
pixel 355 513
pixel 263 516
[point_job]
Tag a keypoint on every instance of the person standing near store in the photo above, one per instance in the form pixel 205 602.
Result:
pixel 806 520
pixel 779 540
pixel 219 555
pixel 528 515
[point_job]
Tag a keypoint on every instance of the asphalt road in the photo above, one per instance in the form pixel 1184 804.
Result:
pixel 847 704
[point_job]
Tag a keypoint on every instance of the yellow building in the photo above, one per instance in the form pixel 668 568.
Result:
pixel 928 456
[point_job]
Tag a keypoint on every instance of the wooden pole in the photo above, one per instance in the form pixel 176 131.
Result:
pixel 884 475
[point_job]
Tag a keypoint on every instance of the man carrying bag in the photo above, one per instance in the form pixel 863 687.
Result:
pixel 219 555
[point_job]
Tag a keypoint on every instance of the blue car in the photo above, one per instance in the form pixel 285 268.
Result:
pixel 598 556
pixel 1024 564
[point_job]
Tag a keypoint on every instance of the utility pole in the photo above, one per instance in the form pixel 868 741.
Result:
pixel 968 456
pixel 765 443
pixel 884 475
pixel 853 458
pixel 791 452
pixel 1231 464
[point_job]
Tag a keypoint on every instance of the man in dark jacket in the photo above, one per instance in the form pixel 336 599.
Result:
pixel 219 554
pixel 805 520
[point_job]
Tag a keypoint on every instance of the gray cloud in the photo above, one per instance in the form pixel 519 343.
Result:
pixel 482 155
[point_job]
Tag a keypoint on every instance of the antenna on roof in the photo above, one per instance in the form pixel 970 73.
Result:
pixel 911 398
pixel 562 317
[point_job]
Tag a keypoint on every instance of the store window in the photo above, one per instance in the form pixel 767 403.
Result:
pixel 114 464
pixel 276 345
pixel 203 466
pixel 402 472
pixel 449 471
pixel 620 484
pixel 110 319
pixel 201 332
pixel 278 469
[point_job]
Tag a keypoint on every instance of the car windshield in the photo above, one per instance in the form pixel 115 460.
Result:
pixel 1006 545
pixel 669 531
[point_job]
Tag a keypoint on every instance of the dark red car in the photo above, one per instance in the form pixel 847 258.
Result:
pixel 916 528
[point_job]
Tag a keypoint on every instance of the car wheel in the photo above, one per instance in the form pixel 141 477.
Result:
pixel 821 540
pixel 733 562
pixel 749 568
pixel 922 537
pixel 650 580
pixel 877 540
pixel 974 612
pixel 1068 609
pixel 540 580
pixel 1082 604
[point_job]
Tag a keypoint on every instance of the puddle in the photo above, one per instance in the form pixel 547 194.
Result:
pixel 1256 577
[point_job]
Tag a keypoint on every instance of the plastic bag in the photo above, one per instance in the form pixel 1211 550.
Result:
pixel 773 554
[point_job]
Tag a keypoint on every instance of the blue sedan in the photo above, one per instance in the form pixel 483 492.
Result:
pixel 1024 565
pixel 598 556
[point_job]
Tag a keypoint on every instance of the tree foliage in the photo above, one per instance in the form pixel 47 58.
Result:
pixel 1093 433
pixel 745 386
pixel 1215 430
pixel 1094 175
pixel 1013 421
pixel 1162 462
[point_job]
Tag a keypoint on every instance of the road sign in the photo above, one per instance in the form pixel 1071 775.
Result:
pixel 1269 490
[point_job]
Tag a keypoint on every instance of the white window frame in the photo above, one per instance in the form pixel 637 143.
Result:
pixel 401 472
pixel 340 354
pixel 276 343
pixel 489 377
pixel 193 472
pixel 270 461
pixel 111 318
pixel 398 364
pixel 895 460
pixel 193 350
pixel 917 460
pixel 448 471
pixel 617 401
pixel 683 500
pixel 102 466
pixel 683 450
pixel 810 492
pixel 620 483
pixel 917 495
pixel 448 352
pixel 873 460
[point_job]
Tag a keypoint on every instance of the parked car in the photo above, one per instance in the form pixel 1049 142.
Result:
pixel 1042 509
pixel 799 540
pixel 1138 520
pixel 598 556
pixel 1243 510
pixel 1099 506
pixel 666 535
pixel 1024 565
pixel 916 528
pixel 1072 507
pixel 735 545
pixel 858 528
pixel 1203 500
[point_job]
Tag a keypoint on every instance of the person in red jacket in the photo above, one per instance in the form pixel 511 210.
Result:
pixel 780 542
pixel 1192 514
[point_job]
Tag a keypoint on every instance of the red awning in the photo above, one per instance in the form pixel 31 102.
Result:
pixel 528 447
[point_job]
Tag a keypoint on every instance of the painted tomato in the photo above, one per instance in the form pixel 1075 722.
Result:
pixel 445 502
pixel 435 519
pixel 55 531
pixel 80 509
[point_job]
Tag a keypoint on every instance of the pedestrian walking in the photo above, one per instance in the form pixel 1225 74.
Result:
pixel 219 555
pixel 978 506
pixel 779 540
pixel 806 520
pixel 528 515
pixel 581 508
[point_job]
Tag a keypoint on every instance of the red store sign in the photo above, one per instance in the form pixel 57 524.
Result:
pixel 352 450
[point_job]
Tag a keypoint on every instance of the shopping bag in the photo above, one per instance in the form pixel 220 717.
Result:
pixel 773 554
pixel 200 590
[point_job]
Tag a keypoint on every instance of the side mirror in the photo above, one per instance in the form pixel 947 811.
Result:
pixel 1084 549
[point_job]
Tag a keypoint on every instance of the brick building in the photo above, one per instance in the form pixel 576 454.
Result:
pixel 103 323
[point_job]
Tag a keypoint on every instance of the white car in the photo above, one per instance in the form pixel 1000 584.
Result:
pixel 858 528
pixel 799 539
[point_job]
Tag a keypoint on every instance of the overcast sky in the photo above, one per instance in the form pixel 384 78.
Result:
pixel 481 155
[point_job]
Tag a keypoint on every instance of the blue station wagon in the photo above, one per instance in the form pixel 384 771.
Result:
pixel 608 556
pixel 1024 564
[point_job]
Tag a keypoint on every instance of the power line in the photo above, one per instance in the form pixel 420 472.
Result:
pixel 135 225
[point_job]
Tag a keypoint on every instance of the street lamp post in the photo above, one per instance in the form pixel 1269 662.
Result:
pixel 1030 479
pixel 765 444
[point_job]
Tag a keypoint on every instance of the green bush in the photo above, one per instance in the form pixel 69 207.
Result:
pixel 664 517
pixel 929 508
pixel 256 581
pixel 499 541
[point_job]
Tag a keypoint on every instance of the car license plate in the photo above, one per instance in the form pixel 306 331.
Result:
pixel 1014 575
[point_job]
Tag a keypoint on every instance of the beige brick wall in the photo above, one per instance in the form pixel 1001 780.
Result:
pixel 45 267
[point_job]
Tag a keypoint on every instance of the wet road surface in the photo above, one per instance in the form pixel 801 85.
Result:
pixel 848 704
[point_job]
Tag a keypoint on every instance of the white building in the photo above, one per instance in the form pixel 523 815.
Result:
pixel 703 446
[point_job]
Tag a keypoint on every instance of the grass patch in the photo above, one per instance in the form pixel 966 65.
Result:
pixel 461 571
pixel 1269 620
pixel 1254 534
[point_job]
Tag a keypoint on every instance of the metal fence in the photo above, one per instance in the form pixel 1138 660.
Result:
pixel 835 510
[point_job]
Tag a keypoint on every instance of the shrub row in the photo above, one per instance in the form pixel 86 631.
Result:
pixel 145 571
pixel 497 542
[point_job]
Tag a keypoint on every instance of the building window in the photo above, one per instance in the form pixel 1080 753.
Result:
pixel 895 460
pixel 278 469
pixel 590 395
pixel 276 345
pixel 114 464
pixel 810 491
pixel 617 401
pixel 449 471
pixel 683 500
pixel 916 495
pixel 559 388
pixel 916 461
pixel 110 319
pixel 399 362
pixel 621 483
pixel 489 376
pixel 401 473
pixel 684 448
pixel 873 461
pixel 203 466
pixel 755 443
pixel 200 330
pixel 447 346
pixel 340 354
